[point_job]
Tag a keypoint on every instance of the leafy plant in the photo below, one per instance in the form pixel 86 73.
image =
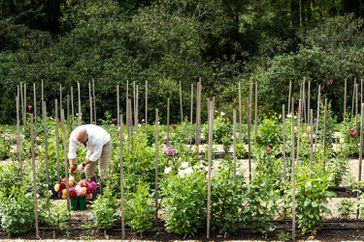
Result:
pixel 104 211
pixel 222 128
pixel 269 133
pixel 339 168
pixel 345 208
pixel 139 209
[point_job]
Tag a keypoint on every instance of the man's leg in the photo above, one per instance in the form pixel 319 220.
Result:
pixel 104 160
pixel 90 170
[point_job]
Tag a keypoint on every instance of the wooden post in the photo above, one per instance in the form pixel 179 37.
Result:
pixel 117 105
pixel 121 136
pixel 356 106
pixel 156 165
pixel 308 101
pixel 42 91
pixel 22 102
pixel 146 104
pixel 60 98
pixel 240 116
pixel 360 156
pixel 256 113
pixel 299 129
pixel 353 99
pixel 293 178
pixel 361 91
pixel 191 115
pixel 210 126
pixel 94 100
pixel 127 98
pixel 311 137
pixel 136 108
pixel 134 103
pixel 345 91
pixel 18 130
pixel 57 141
pixel 325 130
pixel 317 115
pixel 68 107
pixel 234 142
pixel 303 101
pixel 289 96
pixel 180 101
pixel 90 101
pixel 79 103
pixel 65 158
pixel 167 121
pixel 35 102
pixel 25 104
pixel 198 117
pixel 72 109
pixel 44 107
pixel 34 171
pixel 284 144
pixel 249 113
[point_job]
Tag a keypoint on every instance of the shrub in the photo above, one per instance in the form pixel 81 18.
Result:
pixel 104 211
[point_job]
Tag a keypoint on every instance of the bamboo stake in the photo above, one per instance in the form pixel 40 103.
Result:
pixel 35 103
pixel 18 138
pixel 303 101
pixel 361 91
pixel 167 121
pixel 256 113
pixel 134 103
pixel 44 107
pixel 249 103
pixel 72 109
pixel 42 91
pixel 191 115
pixel 65 158
pixel 127 97
pixel 345 91
pixel 137 108
pixel 284 144
pixel 325 130
pixel 121 136
pixel 57 141
pixel 156 165
pixel 293 179
pixel 317 115
pixel 94 100
pixel 117 105
pixel 289 96
pixel 180 101
pixel 308 101
pixel 299 129
pixel 35 190
pixel 60 98
pixel 90 101
pixel 211 125
pixel 25 104
pixel 21 101
pixel 79 104
pixel 234 142
pixel 311 137
pixel 240 115
pixel 360 156
pixel 146 103
pixel 353 99
pixel 198 117
pixel 356 105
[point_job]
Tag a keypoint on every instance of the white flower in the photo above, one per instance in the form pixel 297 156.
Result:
pixel 184 164
pixel 167 170
pixel 188 170
pixel 206 168
pixel 71 178
pixel 181 173
pixel 78 189
pixel 342 141
pixel 139 125
pixel 37 195
pixel 222 113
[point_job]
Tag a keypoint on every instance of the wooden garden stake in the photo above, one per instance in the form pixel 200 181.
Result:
pixel 249 113
pixel 65 158
pixel 240 115
pixel 256 112
pixel 299 129
pixel 303 101
pixel 18 138
pixel 198 117
pixel 60 98
pixel 121 136
pixel 191 115
pixel 293 178
pixel 44 107
pixel 156 165
pixel 57 141
pixel 345 91
pixel 94 100
pixel 35 102
pixel 90 101
pixel 353 99
pixel 289 96
pixel 42 90
pixel 356 106
pixel 167 121
pixel 360 156
pixel 117 105
pixel 284 144
pixel 311 137
pixel 210 126
pixel 234 142
pixel 146 104
pixel 79 103
pixel 325 130
pixel 35 191
pixel 25 104
pixel 72 109
pixel 317 115
pixel 134 103
pixel 361 91
pixel 126 97
pixel 136 108
pixel 22 102
pixel 180 101
pixel 308 101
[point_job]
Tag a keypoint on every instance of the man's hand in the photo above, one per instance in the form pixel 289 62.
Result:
pixel 80 167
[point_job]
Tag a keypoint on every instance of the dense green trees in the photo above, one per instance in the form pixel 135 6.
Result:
pixel 167 41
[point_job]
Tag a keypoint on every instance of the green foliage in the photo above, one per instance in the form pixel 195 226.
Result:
pixel 184 201
pixel 339 168
pixel 104 211
pixel 222 130
pixel 139 209
pixel 345 208
pixel 5 143
pixel 311 197
pixel 227 198
pixel 269 133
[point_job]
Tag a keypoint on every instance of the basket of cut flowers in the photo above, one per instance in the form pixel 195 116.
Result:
pixel 78 192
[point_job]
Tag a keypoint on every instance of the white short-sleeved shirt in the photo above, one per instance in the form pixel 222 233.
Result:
pixel 97 138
